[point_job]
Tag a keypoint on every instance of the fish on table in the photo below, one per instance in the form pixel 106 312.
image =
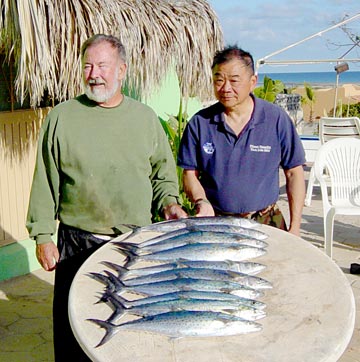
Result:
pixel 183 324
pixel 222 228
pixel 234 307
pixel 172 225
pixel 177 285
pixel 247 267
pixel 195 237
pixel 187 294
pixel 200 281
pixel 199 273
pixel 197 251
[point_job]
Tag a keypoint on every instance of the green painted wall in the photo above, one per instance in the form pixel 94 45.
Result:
pixel 17 259
pixel 166 100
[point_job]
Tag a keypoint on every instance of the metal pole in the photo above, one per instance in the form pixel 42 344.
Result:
pixel 336 93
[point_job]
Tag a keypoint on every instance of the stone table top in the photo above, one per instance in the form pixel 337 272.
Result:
pixel 310 312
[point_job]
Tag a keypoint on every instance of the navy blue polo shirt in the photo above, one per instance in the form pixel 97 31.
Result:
pixel 241 174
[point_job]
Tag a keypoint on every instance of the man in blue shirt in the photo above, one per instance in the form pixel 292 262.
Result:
pixel 231 151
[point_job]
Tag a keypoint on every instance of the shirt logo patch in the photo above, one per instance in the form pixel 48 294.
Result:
pixel 260 148
pixel 209 148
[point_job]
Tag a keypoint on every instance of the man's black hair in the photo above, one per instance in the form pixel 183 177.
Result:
pixel 233 52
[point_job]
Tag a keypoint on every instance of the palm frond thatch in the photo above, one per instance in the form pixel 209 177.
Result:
pixel 44 38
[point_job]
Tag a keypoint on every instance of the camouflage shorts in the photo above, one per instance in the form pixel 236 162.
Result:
pixel 271 216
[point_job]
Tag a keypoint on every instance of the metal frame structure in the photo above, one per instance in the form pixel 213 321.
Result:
pixel 265 60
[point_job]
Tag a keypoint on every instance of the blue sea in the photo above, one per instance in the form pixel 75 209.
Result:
pixel 315 79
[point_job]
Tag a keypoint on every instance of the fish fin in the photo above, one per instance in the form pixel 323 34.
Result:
pixel 132 226
pixel 228 311
pixel 186 289
pixel 109 327
pixel 181 261
pixel 235 275
pixel 225 290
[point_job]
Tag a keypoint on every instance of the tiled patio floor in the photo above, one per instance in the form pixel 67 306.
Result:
pixel 25 302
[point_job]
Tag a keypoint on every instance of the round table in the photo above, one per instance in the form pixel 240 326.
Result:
pixel 310 312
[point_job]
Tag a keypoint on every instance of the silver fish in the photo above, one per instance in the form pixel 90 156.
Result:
pixel 177 285
pixel 183 324
pixel 157 238
pixel 189 304
pixel 219 228
pixel 186 295
pixel 246 267
pixel 201 273
pixel 171 225
pixel 226 228
pixel 192 238
pixel 203 251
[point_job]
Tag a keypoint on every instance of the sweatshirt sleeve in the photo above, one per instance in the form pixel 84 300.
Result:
pixel 44 195
pixel 164 176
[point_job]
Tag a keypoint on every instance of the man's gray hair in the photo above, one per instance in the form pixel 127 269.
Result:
pixel 112 40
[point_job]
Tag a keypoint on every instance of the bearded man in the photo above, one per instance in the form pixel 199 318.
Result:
pixel 103 160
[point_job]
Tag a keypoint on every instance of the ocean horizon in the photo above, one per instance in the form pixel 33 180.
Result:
pixel 314 79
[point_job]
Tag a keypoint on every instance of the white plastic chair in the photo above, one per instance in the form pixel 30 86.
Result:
pixel 331 128
pixel 340 157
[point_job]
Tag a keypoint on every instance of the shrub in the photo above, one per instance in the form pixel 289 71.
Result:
pixel 349 110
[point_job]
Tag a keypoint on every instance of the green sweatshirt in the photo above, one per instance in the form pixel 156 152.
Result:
pixel 100 167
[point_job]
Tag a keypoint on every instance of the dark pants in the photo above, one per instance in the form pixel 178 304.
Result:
pixel 75 246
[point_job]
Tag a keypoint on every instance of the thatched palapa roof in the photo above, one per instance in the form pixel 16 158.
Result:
pixel 44 39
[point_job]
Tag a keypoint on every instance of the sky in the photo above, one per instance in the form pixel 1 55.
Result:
pixel 263 27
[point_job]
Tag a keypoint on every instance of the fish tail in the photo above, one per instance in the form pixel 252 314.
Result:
pixel 101 278
pixel 114 293
pixel 116 283
pixel 130 257
pixel 109 327
pixel 135 229
pixel 124 303
pixel 120 269
pixel 120 309
pixel 127 246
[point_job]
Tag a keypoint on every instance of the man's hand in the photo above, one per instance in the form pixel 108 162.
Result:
pixel 204 208
pixel 174 211
pixel 294 230
pixel 48 255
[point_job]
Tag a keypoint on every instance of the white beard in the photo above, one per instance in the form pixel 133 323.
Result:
pixel 99 95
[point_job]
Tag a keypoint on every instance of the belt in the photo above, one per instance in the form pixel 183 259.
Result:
pixel 247 215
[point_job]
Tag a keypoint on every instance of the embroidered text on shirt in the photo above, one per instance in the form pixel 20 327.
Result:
pixel 260 148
